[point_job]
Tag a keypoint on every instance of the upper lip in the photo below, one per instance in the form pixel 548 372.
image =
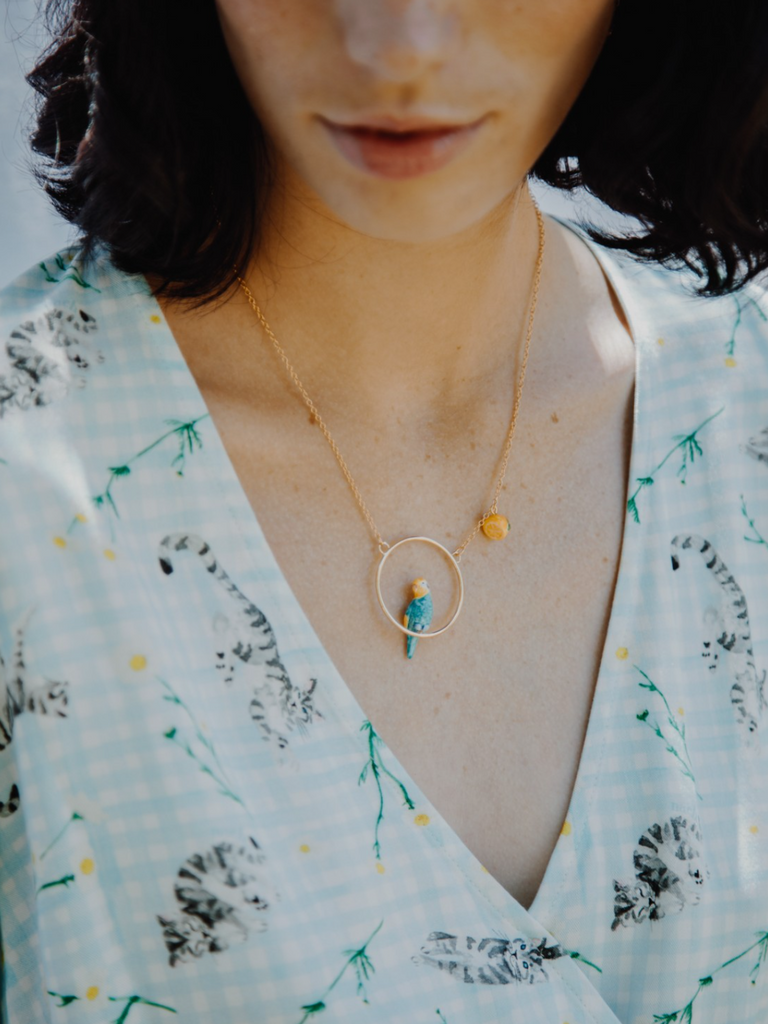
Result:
pixel 385 122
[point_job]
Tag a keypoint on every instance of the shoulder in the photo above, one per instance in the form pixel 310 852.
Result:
pixel 67 286
pixel 57 318
pixel 667 313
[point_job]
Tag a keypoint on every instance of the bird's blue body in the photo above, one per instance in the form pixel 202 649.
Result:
pixel 418 616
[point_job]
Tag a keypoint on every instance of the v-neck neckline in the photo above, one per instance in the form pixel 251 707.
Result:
pixel 336 689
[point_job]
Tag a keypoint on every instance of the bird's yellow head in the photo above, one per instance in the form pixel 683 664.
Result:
pixel 420 587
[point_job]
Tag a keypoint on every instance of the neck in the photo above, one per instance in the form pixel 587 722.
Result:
pixel 377 327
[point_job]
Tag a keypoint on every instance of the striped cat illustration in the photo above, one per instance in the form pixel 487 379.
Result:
pixel 757 446
pixel 19 697
pixel 729 629
pixel 245 635
pixel 223 895
pixel 11 805
pixel 45 356
pixel 669 872
pixel 490 961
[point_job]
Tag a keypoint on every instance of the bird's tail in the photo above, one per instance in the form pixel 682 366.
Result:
pixel 411 645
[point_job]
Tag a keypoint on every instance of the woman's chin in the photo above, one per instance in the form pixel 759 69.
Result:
pixel 413 212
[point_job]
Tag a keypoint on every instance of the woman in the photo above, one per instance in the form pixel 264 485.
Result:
pixel 239 782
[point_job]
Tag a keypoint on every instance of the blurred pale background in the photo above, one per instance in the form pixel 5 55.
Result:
pixel 30 229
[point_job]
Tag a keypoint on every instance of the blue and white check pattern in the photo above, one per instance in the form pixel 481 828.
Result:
pixel 152 764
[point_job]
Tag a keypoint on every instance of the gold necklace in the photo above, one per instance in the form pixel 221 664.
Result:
pixel 417 616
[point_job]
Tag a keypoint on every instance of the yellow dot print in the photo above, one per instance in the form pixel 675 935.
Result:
pixel 421 819
pixel 81 518
pixel 485 869
pixel 155 318
pixel 380 868
pixel 86 865
pixel 304 848
pixel 59 542
pixel 109 554
pixel 138 662
pixel 660 341
pixel 622 653
pixel 92 992
pixel 730 361
pixel 680 712
pixel 566 829
pixel 754 829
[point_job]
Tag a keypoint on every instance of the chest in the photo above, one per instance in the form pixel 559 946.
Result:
pixel 489 718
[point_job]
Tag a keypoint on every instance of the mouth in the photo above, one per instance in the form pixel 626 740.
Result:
pixel 401 152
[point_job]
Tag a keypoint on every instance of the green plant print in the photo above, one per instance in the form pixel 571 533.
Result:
pixel 574 955
pixel 377 768
pixel 59 881
pixel 730 345
pixel 73 817
pixel 130 1002
pixel 218 775
pixel 685 1014
pixel 689 446
pixel 678 727
pixel 89 811
pixel 86 865
pixel 187 437
pixel 758 537
pixel 360 962
pixel 441 1017
pixel 67 270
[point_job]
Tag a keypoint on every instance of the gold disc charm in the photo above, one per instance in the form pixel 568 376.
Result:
pixel 419 633
pixel 496 526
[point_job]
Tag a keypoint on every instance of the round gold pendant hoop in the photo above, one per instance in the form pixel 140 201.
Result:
pixel 457 572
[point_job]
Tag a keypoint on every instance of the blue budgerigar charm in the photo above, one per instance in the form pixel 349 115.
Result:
pixel 418 614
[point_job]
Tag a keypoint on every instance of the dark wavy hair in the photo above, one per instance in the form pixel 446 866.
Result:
pixel 146 141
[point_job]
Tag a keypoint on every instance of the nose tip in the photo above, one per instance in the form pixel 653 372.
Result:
pixel 398 39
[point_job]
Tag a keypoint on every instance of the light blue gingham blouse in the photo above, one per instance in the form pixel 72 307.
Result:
pixel 198 823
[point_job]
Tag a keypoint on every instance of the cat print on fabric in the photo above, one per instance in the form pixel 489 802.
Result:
pixel 729 631
pixel 20 697
pixel 757 446
pixel 491 961
pixel 11 805
pixel 45 356
pixel 669 873
pixel 245 635
pixel 222 895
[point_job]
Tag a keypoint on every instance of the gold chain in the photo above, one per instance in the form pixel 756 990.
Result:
pixel 383 545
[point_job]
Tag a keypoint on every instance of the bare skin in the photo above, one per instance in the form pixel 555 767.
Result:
pixel 403 312
pixel 489 719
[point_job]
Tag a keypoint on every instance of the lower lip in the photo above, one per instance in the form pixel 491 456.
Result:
pixel 401 156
